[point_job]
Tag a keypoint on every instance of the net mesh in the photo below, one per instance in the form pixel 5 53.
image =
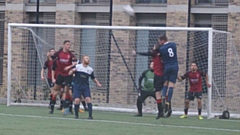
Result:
pixel 118 69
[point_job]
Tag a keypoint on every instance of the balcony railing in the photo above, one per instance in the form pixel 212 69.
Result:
pixel 212 2
pixel 2 1
pixel 43 1
pixel 151 1
pixel 95 2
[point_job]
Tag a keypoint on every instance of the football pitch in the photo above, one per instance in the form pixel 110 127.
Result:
pixel 15 120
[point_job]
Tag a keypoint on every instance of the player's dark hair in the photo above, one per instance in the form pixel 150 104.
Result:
pixel 66 41
pixel 163 37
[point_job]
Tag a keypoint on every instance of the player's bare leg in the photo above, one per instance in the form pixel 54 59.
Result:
pixel 89 103
pixel 76 106
pixel 55 89
pixel 199 109
pixel 159 104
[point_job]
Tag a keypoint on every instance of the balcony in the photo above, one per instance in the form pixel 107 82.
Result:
pixel 151 1
pixel 43 1
pixel 2 2
pixel 95 2
pixel 212 2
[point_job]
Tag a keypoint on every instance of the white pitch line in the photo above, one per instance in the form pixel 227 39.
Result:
pixel 121 122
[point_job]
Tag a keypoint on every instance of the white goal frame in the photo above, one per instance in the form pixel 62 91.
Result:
pixel 210 47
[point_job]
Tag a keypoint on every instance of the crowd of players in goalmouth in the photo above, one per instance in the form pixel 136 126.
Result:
pixel 71 77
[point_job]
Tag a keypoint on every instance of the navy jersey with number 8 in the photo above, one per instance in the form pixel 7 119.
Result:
pixel 169 54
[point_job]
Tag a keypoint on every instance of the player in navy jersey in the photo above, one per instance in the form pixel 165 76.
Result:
pixel 158 75
pixel 195 79
pixel 168 52
pixel 82 73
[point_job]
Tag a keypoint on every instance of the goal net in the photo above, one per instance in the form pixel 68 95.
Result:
pixel 117 69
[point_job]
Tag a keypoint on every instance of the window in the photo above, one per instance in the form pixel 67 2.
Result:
pixel 151 1
pixel 218 22
pixel 2 21
pixel 145 40
pixel 48 36
pixel 2 2
pixel 95 43
pixel 212 2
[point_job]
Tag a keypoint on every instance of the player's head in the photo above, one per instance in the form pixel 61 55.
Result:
pixel 66 45
pixel 151 65
pixel 193 66
pixel 52 51
pixel 162 39
pixel 85 59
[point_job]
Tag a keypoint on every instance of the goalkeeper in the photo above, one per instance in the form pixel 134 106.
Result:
pixel 147 90
pixel 195 79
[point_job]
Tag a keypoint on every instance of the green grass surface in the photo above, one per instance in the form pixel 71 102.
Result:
pixel 36 121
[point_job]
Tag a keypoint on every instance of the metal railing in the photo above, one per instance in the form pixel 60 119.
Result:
pixel 96 1
pixel 151 1
pixel 42 1
pixel 212 2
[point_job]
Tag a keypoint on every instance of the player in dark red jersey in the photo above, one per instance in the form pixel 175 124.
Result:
pixel 64 58
pixel 158 75
pixel 48 65
pixel 195 79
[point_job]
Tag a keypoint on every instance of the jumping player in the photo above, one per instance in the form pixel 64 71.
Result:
pixel 168 52
pixel 81 84
pixel 195 79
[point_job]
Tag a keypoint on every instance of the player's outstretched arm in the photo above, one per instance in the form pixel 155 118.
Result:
pixel 42 74
pixel 149 53
pixel 71 66
pixel 208 84
pixel 180 78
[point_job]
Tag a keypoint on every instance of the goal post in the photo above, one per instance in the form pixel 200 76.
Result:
pixel 118 69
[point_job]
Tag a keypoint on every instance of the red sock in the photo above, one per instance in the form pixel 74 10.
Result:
pixel 166 98
pixel 53 97
pixel 67 96
pixel 159 101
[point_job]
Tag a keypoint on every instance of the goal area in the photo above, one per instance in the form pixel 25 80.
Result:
pixel 110 51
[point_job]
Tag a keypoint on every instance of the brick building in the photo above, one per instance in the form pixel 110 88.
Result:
pixel 218 14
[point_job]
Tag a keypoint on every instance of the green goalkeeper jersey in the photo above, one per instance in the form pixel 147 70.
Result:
pixel 148 76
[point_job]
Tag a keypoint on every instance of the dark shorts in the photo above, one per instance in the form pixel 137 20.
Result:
pixel 145 94
pixel 66 80
pixel 50 84
pixel 191 95
pixel 158 82
pixel 170 73
pixel 78 91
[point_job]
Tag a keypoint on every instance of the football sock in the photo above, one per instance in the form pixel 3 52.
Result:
pixel 52 103
pixel 186 111
pixel 170 94
pixel 139 106
pixel 199 111
pixel 159 106
pixel 70 105
pixel 89 109
pixel 164 91
pixel 76 107
pixel 84 104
